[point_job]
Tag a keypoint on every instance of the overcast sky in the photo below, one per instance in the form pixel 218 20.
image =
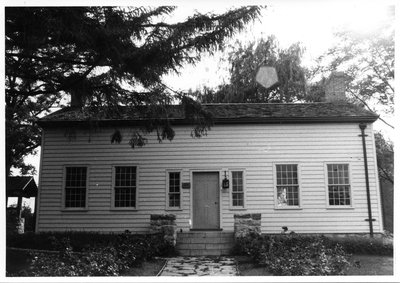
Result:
pixel 311 22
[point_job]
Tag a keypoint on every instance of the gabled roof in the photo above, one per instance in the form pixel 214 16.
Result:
pixel 24 186
pixel 232 113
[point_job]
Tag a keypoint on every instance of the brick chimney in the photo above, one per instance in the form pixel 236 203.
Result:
pixel 335 87
pixel 77 98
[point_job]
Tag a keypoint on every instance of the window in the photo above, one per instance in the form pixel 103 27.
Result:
pixel 125 186
pixel 338 184
pixel 174 190
pixel 75 187
pixel 287 185
pixel 237 189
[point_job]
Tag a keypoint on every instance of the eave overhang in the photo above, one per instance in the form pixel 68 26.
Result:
pixel 217 121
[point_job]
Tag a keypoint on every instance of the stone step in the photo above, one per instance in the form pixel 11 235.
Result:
pixel 204 241
pixel 208 240
pixel 205 234
pixel 201 252
pixel 199 243
pixel 183 246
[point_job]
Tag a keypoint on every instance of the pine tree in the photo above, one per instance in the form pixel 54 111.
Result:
pixel 102 56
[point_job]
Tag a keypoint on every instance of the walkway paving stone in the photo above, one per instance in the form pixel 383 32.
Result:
pixel 200 266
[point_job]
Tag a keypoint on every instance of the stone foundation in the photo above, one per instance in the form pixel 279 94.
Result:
pixel 246 224
pixel 165 224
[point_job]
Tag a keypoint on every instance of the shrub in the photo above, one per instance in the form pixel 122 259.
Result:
pixel 110 255
pixel 51 240
pixel 83 241
pixel 295 255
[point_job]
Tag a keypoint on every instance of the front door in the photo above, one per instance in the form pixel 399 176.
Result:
pixel 206 200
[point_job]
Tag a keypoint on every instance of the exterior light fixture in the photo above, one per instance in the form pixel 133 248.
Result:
pixel 225 182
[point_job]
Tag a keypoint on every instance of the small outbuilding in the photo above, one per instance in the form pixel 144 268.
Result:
pixel 19 187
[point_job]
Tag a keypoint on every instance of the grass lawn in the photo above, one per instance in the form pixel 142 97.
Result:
pixel 360 265
pixel 247 268
pixel 16 261
pixel 371 265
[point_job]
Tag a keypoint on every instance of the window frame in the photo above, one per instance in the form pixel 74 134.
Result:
pixel 291 207
pixel 63 186
pixel 113 171
pixel 328 206
pixel 167 172
pixel 231 206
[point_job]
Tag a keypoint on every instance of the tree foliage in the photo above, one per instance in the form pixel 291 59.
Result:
pixel 367 58
pixel 385 158
pixel 103 56
pixel 245 60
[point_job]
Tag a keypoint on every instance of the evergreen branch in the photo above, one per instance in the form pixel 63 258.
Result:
pixel 50 59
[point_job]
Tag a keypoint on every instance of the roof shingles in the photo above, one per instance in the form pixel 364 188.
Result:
pixel 226 113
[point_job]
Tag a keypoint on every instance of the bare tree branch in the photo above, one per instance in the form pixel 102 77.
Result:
pixel 363 102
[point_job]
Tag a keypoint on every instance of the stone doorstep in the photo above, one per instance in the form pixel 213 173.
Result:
pixel 205 234
pixel 195 245
pixel 205 240
pixel 188 246
pixel 223 246
pixel 217 248
pixel 227 236
pixel 203 252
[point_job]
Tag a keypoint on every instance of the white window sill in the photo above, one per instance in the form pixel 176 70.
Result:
pixel 237 208
pixel 288 208
pixel 123 209
pixel 173 209
pixel 339 207
pixel 74 210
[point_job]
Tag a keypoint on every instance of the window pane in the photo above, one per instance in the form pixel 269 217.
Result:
pixel 287 185
pixel 338 184
pixel 75 187
pixel 125 186
pixel 338 174
pixel 125 176
pixel 125 197
pixel 174 200
pixel 174 193
pixel 75 197
pixel 237 199
pixel 237 181
pixel 237 188
pixel 286 174
pixel 339 195
pixel 288 196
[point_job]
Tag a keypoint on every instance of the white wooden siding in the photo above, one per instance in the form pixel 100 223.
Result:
pixel 254 148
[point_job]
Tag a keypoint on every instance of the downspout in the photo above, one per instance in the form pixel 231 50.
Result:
pixel 370 220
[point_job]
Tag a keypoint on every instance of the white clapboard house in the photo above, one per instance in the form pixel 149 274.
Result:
pixel 310 167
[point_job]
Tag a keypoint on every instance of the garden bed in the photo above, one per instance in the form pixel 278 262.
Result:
pixel 360 265
pixel 296 255
pixel 93 254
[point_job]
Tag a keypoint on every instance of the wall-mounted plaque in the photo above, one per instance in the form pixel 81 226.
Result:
pixel 185 185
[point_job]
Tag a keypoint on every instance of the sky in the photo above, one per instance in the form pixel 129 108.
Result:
pixel 311 22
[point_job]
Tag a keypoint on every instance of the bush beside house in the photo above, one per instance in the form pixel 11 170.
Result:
pixel 87 254
pixel 294 254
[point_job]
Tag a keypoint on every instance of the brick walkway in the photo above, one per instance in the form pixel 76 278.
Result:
pixel 200 266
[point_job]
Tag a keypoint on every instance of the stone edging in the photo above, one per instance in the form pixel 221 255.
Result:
pixel 162 268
